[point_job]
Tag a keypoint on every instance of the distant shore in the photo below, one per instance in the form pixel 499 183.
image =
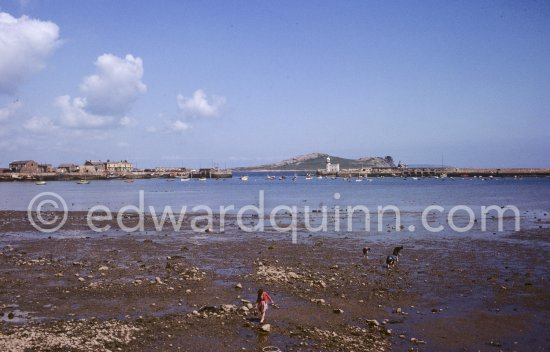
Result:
pixel 346 173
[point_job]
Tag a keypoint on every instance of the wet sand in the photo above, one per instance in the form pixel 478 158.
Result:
pixel 76 291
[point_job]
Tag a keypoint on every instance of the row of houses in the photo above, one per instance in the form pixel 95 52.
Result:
pixel 89 167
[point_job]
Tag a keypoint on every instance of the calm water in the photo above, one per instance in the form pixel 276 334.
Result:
pixel 531 194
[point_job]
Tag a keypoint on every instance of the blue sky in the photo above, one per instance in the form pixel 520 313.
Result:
pixel 240 83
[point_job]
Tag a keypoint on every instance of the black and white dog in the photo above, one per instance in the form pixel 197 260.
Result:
pixel 390 261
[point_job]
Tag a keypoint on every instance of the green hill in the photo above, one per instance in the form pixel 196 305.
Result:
pixel 315 161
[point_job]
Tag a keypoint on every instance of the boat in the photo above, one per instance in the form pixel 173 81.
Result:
pixel 202 179
pixel 83 182
pixel 184 179
pixel 309 177
pixel 270 177
pixel 40 183
pixel 294 178
pixel 244 178
pixel 415 178
pixel 283 177
pixel 359 180
pixel 320 177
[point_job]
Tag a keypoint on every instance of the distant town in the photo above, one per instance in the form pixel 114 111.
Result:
pixel 318 164
pixel 32 170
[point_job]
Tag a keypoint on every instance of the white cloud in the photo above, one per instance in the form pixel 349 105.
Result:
pixel 9 110
pixel 115 85
pixel 126 121
pixel 179 126
pixel 74 115
pixel 41 125
pixel 25 45
pixel 199 106
pixel 107 95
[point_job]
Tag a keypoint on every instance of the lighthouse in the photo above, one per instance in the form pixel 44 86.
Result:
pixel 331 168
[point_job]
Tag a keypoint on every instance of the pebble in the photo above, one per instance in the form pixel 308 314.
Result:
pixel 338 311
pixel 265 328
pixel 239 286
pixel 103 268
pixel 417 341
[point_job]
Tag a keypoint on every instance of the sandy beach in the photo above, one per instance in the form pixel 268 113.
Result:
pixel 164 291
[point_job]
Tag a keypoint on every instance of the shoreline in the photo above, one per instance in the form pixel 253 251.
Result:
pixel 444 294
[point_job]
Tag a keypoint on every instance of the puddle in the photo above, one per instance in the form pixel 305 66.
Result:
pixel 14 315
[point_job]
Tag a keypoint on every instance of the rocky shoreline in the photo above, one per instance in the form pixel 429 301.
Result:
pixel 164 291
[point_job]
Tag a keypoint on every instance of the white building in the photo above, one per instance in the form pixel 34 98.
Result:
pixel 332 167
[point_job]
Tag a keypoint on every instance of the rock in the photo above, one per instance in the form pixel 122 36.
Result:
pixel 11 315
pixel 417 341
pixel 373 322
pixel 188 291
pixel 208 309
pixel 228 307
pixel 103 268
pixel 293 275
pixel 397 310
pixel 239 286
pixel 265 328
pixel 338 311
pixel 244 309
pixel 81 279
pixel 158 280
pixel 318 300
pixel 195 313
pixel 249 305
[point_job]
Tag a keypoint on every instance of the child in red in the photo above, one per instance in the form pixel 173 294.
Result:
pixel 261 303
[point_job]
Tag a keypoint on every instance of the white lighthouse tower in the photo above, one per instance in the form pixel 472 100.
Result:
pixel 332 167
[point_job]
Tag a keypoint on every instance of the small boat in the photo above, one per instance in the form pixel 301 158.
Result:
pixel 184 179
pixel 309 177
pixel 83 182
pixel 415 178
pixel 202 179
pixel 320 177
pixel 244 178
pixel 295 177
pixel 270 177
pixel 40 183
pixel 282 177
pixel 359 180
